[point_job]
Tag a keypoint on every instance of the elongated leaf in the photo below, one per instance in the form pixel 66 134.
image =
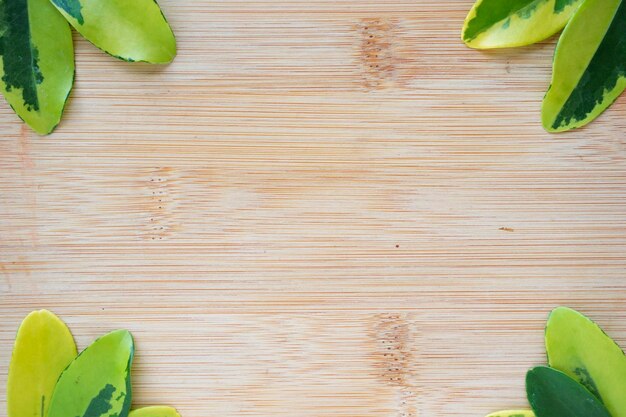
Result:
pixel 36 61
pixel 43 348
pixel 578 347
pixel 157 411
pixel 589 70
pixel 551 393
pixel 508 23
pixel 130 30
pixel 512 413
pixel 97 382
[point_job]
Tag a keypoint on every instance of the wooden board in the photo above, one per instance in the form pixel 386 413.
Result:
pixel 321 208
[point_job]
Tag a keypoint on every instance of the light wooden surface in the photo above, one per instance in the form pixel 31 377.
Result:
pixel 321 208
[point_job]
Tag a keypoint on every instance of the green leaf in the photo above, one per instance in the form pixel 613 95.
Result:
pixel 512 413
pixel 551 393
pixel 157 411
pixel 43 348
pixel 36 61
pixel 509 23
pixel 130 30
pixel 578 347
pixel 589 70
pixel 97 382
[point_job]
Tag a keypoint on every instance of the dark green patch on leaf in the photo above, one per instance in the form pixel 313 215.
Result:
pixel 101 403
pixel 586 379
pixel 73 8
pixel 105 363
pixel 606 67
pixel 493 11
pixel 560 5
pixel 19 56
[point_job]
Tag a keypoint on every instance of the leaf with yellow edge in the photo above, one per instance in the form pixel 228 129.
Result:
pixel 44 347
pixel 509 23
pixel 589 70
pixel 36 61
pixel 156 411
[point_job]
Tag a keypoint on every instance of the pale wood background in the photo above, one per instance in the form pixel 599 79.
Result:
pixel 321 208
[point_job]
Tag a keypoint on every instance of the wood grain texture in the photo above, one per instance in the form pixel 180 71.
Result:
pixel 321 208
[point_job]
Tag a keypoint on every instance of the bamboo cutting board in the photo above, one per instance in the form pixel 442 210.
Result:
pixel 321 208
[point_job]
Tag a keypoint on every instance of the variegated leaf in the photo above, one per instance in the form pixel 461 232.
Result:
pixel 578 347
pixel 509 23
pixel 37 61
pixel 97 382
pixel 130 30
pixel 589 70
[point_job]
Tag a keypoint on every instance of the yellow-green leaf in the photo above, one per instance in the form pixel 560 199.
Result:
pixel 579 348
pixel 36 61
pixel 132 30
pixel 43 348
pixel 509 23
pixel 589 70
pixel 512 413
pixel 97 382
pixel 156 411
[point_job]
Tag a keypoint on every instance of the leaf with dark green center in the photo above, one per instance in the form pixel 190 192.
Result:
pixel 578 347
pixel 589 70
pixel 97 382
pixel 43 348
pixel 157 411
pixel 509 23
pixel 130 30
pixel 36 61
pixel 551 393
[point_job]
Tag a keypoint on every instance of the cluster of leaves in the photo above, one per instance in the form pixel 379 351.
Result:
pixel 586 376
pixel 48 379
pixel 37 52
pixel 589 68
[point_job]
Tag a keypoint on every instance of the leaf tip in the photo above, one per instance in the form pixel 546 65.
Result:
pixel 41 314
pixel 154 411
pixel 561 310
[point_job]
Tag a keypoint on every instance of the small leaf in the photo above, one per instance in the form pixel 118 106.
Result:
pixel 36 61
pixel 551 393
pixel 578 347
pixel 43 348
pixel 97 382
pixel 509 23
pixel 130 30
pixel 512 413
pixel 157 411
pixel 589 70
